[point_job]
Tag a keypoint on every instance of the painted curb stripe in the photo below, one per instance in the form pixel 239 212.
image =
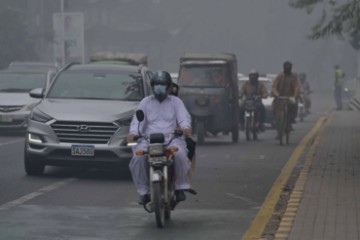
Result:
pixel 280 234
pixel 265 213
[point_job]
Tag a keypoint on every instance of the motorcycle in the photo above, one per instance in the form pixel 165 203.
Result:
pixel 161 174
pixel 252 123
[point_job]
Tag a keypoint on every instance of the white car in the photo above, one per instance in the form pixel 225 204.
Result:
pixel 268 101
pixel 174 77
pixel 15 102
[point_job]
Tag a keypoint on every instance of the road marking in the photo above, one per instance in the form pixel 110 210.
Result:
pixel 37 193
pixel 244 199
pixel 265 213
pixel 11 142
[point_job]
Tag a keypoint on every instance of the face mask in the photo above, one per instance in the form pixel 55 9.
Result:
pixel 159 90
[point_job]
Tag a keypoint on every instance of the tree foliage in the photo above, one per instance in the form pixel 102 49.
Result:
pixel 339 18
pixel 15 42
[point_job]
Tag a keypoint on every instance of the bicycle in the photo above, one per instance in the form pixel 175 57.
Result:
pixel 283 124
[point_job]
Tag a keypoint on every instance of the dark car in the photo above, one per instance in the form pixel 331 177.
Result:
pixel 84 118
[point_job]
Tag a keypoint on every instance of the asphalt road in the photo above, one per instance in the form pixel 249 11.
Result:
pixel 232 181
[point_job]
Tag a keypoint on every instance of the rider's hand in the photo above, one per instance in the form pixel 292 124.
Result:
pixel 187 132
pixel 130 138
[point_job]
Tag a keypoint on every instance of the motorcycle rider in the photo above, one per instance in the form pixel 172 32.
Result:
pixel 286 84
pixel 163 114
pixel 305 92
pixel 249 89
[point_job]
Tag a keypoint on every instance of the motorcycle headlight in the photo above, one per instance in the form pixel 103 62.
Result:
pixel 38 116
pixel 156 149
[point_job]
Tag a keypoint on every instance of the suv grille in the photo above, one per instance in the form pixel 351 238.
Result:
pixel 84 132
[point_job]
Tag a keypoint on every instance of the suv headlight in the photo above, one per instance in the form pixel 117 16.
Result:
pixel 38 116
pixel 30 106
pixel 124 121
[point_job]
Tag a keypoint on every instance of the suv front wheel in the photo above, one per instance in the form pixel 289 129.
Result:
pixel 33 167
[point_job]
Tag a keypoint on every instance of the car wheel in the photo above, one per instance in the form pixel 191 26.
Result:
pixel 33 167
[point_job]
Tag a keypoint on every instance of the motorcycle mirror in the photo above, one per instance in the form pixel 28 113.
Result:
pixel 140 115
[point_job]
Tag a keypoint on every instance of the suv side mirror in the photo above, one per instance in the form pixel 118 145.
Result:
pixel 36 93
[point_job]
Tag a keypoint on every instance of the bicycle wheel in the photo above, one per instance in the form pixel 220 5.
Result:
pixel 280 126
pixel 248 128
pixel 287 128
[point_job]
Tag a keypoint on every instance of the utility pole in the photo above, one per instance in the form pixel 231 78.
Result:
pixel 62 7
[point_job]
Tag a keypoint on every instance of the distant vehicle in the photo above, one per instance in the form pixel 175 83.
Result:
pixel 33 66
pixel 209 88
pixel 120 58
pixel 267 101
pixel 15 102
pixel 272 76
pixel 174 77
pixel 83 120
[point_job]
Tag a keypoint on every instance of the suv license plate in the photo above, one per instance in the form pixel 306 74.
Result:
pixel 6 118
pixel 82 150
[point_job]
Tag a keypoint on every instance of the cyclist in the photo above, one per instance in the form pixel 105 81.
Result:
pixel 286 84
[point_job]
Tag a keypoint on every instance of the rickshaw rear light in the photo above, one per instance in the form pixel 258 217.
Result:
pixel 216 100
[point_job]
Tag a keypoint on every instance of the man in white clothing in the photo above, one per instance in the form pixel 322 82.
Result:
pixel 163 114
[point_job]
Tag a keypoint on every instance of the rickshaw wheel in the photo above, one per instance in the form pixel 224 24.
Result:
pixel 200 132
pixel 235 134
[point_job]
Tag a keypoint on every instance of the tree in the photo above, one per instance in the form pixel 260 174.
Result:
pixel 338 18
pixel 15 42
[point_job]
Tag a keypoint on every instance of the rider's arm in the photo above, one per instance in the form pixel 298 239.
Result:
pixel 243 90
pixel 297 87
pixel 263 91
pixel 275 86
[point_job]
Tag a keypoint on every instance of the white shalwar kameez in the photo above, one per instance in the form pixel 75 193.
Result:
pixel 161 117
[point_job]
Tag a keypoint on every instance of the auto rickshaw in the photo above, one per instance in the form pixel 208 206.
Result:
pixel 209 88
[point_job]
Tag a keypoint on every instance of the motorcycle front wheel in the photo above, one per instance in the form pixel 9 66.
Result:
pixel 159 205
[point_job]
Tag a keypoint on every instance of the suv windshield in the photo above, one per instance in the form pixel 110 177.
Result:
pixel 203 76
pixel 97 85
pixel 21 82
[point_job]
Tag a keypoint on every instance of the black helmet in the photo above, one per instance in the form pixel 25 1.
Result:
pixel 254 72
pixel 161 78
pixel 160 83
pixel 253 77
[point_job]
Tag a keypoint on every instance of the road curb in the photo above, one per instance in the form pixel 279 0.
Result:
pixel 258 225
pixel 297 193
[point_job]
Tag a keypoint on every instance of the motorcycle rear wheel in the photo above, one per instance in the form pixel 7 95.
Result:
pixel 159 205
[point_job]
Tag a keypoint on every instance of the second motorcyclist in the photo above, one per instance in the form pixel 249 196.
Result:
pixel 163 114
pixel 305 92
pixel 250 88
